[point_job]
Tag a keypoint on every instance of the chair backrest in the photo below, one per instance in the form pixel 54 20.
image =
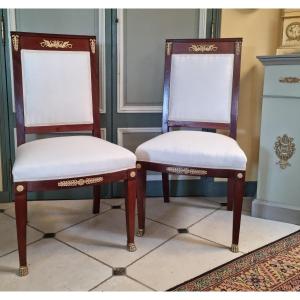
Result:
pixel 55 82
pixel 201 83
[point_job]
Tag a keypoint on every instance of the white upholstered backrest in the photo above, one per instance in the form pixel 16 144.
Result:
pixel 201 87
pixel 57 87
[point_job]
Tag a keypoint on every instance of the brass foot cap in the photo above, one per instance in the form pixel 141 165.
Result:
pixel 131 247
pixel 234 248
pixel 23 271
pixel 140 232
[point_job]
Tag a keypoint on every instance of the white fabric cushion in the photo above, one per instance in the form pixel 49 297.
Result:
pixel 56 87
pixel 201 87
pixel 193 149
pixel 71 156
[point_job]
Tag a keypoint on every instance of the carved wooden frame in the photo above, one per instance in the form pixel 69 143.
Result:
pixel 236 178
pixel 36 41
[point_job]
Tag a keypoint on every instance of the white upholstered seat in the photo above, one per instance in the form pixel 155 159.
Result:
pixel 193 149
pixel 67 157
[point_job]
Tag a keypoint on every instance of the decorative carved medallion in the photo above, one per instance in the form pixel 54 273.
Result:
pixel 284 149
pixel 239 175
pixel 15 41
pixel 132 174
pixel 56 44
pixel 20 188
pixel 289 79
pixel 203 48
pixel 169 48
pixel 80 182
pixel 186 171
pixel 93 45
pixel 293 31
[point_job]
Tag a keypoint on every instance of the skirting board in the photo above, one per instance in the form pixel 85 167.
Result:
pixel 274 211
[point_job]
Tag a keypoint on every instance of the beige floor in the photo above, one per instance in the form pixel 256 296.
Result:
pixel 88 252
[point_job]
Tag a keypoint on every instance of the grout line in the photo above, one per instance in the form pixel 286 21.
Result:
pixel 152 250
pixel 206 239
pixel 145 285
pixel 204 217
pixel 26 247
pixel 94 258
pixel 159 222
pixel 91 289
pixel 89 218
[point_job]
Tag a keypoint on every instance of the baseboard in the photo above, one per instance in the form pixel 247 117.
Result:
pixel 4 197
pixel 183 188
pixel 274 211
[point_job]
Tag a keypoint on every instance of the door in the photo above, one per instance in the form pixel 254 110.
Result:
pixel 64 21
pixel 5 180
pixel 131 60
pixel 139 38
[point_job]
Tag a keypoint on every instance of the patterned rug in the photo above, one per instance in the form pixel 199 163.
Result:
pixel 275 267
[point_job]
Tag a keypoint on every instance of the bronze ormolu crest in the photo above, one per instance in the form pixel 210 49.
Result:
pixel 284 149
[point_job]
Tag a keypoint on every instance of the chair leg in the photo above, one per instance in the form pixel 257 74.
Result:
pixel 130 199
pixel 237 211
pixel 21 221
pixel 166 189
pixel 96 201
pixel 230 193
pixel 141 191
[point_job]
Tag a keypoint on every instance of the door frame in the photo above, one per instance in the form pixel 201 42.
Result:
pixel 5 143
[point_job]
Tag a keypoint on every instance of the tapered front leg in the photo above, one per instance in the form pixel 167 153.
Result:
pixel 166 188
pixel 141 191
pixel 21 221
pixel 96 200
pixel 230 193
pixel 130 200
pixel 237 210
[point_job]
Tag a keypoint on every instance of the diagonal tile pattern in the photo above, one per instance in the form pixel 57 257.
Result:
pixel 53 216
pixel 8 235
pixel 82 251
pixel 104 237
pixel 254 232
pixel 53 266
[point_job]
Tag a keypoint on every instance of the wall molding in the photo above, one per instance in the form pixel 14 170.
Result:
pixel 121 105
pixel 202 23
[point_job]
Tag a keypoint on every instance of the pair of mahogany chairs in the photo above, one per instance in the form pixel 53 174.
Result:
pixel 56 87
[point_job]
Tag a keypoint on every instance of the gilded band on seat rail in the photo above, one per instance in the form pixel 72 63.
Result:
pixel 186 171
pixel 80 182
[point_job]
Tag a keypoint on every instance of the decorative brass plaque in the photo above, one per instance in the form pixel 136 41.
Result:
pixel 56 44
pixel 284 149
pixel 203 48
pixel 237 48
pixel 93 45
pixel 15 41
pixel 20 188
pixel 289 79
pixel 169 48
pixel 186 171
pixel 80 182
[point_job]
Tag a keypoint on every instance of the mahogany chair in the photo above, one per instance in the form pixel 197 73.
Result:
pixel 56 88
pixel 201 88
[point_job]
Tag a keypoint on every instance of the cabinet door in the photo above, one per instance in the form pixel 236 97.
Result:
pixel 280 185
